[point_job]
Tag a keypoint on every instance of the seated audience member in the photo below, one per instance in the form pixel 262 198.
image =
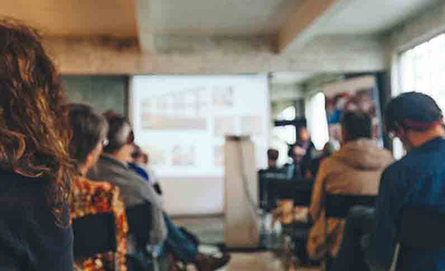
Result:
pixel 354 169
pixel 415 180
pixel 89 136
pixel 301 153
pixel 36 170
pixel 329 148
pixel 267 198
pixel 113 167
pixel 272 171
pixel 140 166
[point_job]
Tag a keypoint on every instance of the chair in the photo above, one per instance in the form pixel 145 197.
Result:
pixel 139 219
pixel 94 234
pixel 302 192
pixel 140 223
pixel 338 205
pixel 298 190
pixel 266 178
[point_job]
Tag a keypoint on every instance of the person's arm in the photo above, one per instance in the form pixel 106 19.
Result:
pixel 380 244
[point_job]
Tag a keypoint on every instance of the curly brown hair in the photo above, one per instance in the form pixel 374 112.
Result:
pixel 33 135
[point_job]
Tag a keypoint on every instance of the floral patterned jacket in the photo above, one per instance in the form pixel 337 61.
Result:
pixel 87 198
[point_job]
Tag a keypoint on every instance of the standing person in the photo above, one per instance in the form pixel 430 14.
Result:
pixel 35 167
pixel 301 154
pixel 414 180
pixel 354 169
pixel 88 137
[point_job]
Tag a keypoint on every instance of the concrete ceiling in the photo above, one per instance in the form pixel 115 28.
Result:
pixel 75 17
pixel 207 36
pixel 290 78
pixel 221 17
pixel 373 17
pixel 208 17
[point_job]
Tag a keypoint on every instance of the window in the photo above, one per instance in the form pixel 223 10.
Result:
pixel 422 69
pixel 286 133
pixel 283 136
pixel 316 120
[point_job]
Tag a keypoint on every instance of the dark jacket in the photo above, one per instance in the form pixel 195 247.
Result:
pixel 415 180
pixel 29 236
pixel 301 164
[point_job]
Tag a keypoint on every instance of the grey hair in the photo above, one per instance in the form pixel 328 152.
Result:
pixel 118 130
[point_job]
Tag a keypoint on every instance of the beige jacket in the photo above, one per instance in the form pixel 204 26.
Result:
pixel 354 169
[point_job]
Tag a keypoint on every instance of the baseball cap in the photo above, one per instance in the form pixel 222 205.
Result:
pixel 413 110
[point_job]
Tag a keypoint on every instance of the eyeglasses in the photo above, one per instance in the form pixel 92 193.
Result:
pixel 130 138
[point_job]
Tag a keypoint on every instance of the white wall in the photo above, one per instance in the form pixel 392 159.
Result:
pixel 193 196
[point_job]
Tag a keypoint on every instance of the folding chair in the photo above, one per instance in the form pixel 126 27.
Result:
pixel 94 234
pixel 338 205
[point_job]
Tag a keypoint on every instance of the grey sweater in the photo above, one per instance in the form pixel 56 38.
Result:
pixel 134 190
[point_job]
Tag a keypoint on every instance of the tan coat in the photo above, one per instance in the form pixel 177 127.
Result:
pixel 355 169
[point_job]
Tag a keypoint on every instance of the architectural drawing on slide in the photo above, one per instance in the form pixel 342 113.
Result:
pixel 182 110
pixel 182 121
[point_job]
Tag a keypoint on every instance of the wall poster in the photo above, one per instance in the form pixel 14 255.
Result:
pixel 357 94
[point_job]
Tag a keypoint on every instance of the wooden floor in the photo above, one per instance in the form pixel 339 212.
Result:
pixel 259 261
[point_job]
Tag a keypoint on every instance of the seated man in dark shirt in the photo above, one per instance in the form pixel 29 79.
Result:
pixel 267 200
pixel 370 234
pixel 272 171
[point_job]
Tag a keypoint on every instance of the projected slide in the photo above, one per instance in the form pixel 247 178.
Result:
pixel 181 121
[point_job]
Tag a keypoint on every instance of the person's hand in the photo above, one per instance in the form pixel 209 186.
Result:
pixel 301 214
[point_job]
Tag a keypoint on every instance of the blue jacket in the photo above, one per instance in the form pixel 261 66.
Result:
pixel 418 179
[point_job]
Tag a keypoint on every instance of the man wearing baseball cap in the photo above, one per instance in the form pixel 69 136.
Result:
pixel 418 179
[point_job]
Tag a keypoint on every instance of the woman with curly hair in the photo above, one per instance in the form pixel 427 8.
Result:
pixel 35 166
pixel 89 136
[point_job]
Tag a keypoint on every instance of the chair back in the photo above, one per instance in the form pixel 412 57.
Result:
pixel 140 222
pixel 298 190
pixel 265 179
pixel 338 205
pixel 94 234
pixel 422 228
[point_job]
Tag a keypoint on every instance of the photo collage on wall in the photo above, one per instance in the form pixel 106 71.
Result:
pixel 358 94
